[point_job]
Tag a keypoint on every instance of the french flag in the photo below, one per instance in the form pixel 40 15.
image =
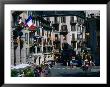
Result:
pixel 29 23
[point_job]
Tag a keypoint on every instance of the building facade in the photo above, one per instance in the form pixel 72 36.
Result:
pixel 52 30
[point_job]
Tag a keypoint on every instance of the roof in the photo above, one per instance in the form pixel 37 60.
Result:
pixel 60 13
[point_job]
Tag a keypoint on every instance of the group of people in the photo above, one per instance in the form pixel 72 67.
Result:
pixel 85 63
pixel 71 59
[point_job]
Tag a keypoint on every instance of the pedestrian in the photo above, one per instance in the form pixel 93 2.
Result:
pixel 71 64
pixel 74 62
pixel 36 72
pixel 91 64
pixel 86 65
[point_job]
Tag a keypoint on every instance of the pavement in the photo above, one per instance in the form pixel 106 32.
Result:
pixel 65 71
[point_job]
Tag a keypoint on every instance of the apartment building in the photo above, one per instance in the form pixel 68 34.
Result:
pixel 53 30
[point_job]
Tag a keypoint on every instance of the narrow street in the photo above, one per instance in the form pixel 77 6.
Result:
pixel 65 71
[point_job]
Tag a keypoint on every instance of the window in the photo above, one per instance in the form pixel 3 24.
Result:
pixel 39 41
pixel 79 20
pixel 73 37
pixel 49 49
pixel 63 19
pixel 57 46
pixel 72 18
pixel 56 28
pixel 26 37
pixel 78 36
pixel 73 28
pixel 64 28
pixel 55 20
pixel 56 36
pixel 31 37
pixel 32 49
pixel 38 49
pixel 44 49
pixel 79 28
pixel 79 44
pixel 38 31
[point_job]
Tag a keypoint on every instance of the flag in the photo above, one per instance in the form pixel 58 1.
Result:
pixel 29 23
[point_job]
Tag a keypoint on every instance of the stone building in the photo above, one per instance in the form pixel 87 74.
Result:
pixel 53 29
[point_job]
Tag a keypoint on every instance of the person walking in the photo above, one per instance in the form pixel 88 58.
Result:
pixel 71 64
pixel 74 62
